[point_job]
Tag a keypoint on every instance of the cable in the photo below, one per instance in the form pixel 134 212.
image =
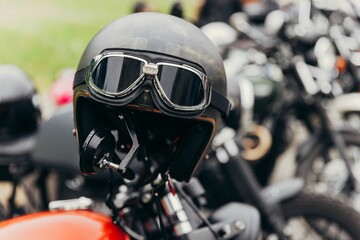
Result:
pixel 196 210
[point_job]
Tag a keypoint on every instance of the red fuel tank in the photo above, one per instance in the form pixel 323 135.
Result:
pixel 61 225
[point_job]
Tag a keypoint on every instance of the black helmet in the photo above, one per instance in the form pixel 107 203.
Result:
pixel 157 84
pixel 19 104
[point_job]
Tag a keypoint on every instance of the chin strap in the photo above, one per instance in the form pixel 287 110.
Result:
pixel 220 102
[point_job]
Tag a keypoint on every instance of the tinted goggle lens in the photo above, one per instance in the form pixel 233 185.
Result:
pixel 116 74
pixel 181 86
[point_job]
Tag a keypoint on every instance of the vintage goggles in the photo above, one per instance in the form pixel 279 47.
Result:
pixel 181 87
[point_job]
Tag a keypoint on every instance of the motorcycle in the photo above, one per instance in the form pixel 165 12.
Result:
pixel 137 208
pixel 71 219
pixel 162 208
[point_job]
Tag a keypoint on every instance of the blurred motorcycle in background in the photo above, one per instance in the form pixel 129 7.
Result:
pixel 291 74
pixel 20 117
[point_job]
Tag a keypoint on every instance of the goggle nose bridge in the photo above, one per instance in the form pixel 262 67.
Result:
pixel 150 69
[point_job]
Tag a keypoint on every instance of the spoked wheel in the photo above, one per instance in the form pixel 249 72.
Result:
pixel 316 217
pixel 325 172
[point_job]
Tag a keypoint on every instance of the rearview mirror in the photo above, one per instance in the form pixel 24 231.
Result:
pixel 99 144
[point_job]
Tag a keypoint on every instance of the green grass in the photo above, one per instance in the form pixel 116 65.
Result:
pixel 45 36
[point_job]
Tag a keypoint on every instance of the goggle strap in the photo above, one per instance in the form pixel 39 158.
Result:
pixel 79 77
pixel 220 102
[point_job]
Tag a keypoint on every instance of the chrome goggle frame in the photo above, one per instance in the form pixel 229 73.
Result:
pixel 149 70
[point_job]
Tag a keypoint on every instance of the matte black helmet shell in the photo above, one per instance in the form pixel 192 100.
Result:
pixel 156 32
pixel 159 35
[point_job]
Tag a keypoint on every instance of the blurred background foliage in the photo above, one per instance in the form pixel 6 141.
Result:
pixel 45 36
